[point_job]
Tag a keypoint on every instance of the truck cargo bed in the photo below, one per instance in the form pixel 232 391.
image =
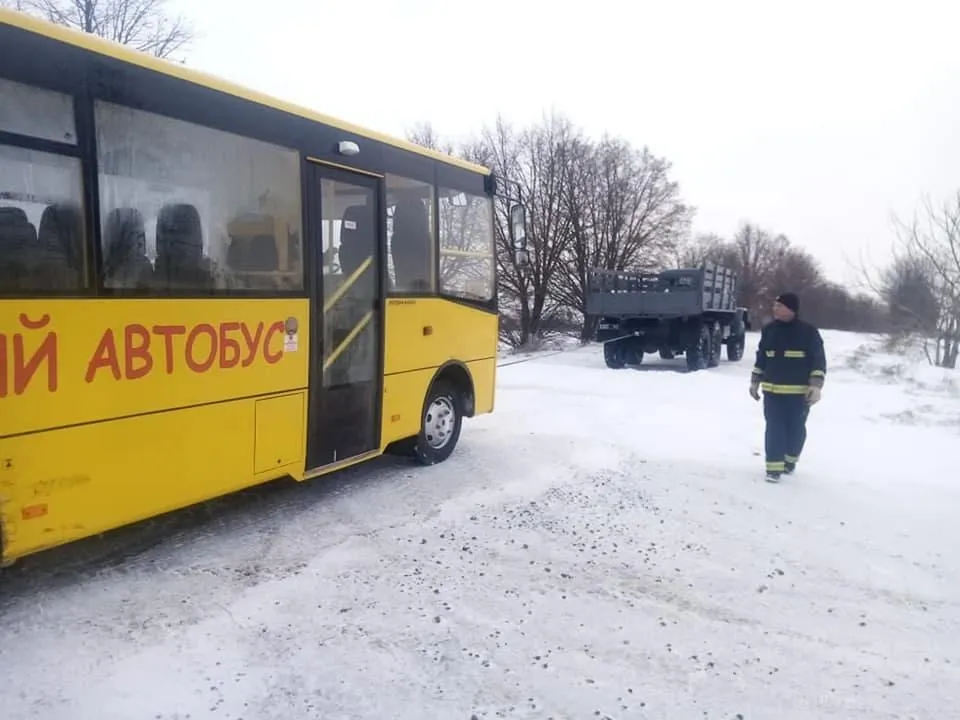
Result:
pixel 671 293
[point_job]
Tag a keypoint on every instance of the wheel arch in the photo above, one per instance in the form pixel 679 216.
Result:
pixel 457 374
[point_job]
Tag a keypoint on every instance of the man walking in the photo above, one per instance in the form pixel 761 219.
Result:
pixel 790 369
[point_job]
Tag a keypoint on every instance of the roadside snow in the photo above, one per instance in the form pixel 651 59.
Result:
pixel 602 546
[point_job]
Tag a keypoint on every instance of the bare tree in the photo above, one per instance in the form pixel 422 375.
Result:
pixel 144 25
pixel 909 289
pixel 536 158
pixel 932 246
pixel 755 255
pixel 606 204
pixel 423 134
pixel 626 213
pixel 768 264
pixel 758 252
pixel 796 271
pixel 694 252
pixel 832 305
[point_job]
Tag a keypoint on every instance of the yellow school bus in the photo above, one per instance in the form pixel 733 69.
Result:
pixel 203 289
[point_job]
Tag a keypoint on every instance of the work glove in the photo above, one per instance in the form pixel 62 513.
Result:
pixel 755 390
pixel 813 395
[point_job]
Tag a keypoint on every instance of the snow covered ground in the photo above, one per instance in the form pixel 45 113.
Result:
pixel 603 546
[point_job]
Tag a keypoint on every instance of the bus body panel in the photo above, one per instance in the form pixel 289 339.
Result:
pixel 484 374
pixel 180 438
pixel 404 395
pixel 421 336
pixel 68 362
pixel 403 398
pixel 62 485
pixel 279 433
pixel 114 410
pixel 428 332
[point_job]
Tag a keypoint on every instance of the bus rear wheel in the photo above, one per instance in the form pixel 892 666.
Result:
pixel 440 424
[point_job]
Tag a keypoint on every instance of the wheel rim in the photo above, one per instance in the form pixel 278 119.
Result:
pixel 439 423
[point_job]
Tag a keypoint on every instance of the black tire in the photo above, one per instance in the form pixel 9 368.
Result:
pixel 698 354
pixel 666 354
pixel 716 346
pixel 735 347
pixel 613 355
pixel 430 447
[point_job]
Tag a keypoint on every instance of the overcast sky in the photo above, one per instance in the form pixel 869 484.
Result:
pixel 815 119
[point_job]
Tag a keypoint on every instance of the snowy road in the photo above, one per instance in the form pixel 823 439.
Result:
pixel 602 546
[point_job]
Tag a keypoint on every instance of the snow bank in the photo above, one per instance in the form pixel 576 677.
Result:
pixel 557 342
pixel 898 386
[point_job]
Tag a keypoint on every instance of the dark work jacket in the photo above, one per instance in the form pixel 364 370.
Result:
pixel 790 358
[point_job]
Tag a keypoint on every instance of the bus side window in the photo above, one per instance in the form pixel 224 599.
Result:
pixel 467 250
pixel 36 112
pixel 411 241
pixel 226 206
pixel 411 246
pixel 41 223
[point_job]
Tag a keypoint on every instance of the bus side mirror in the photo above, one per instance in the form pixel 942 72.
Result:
pixel 518 234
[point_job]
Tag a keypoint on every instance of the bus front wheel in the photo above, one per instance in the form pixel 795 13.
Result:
pixel 440 424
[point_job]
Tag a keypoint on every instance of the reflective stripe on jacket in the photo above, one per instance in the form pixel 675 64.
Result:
pixel 790 358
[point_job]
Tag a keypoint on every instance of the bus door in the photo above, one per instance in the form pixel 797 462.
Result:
pixel 346 313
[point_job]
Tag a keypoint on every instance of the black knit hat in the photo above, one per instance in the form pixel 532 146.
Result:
pixel 789 300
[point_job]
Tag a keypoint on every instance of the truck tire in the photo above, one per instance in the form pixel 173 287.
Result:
pixel 735 347
pixel 666 354
pixel 633 353
pixel 698 353
pixel 716 346
pixel 613 355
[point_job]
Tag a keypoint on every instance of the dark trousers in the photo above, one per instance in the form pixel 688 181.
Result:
pixel 786 418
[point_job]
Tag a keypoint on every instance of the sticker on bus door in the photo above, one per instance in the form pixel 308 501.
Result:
pixel 291 341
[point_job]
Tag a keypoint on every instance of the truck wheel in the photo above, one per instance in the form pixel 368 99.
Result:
pixel 633 355
pixel 698 353
pixel 613 355
pixel 735 348
pixel 716 346
pixel 666 354
pixel 440 424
